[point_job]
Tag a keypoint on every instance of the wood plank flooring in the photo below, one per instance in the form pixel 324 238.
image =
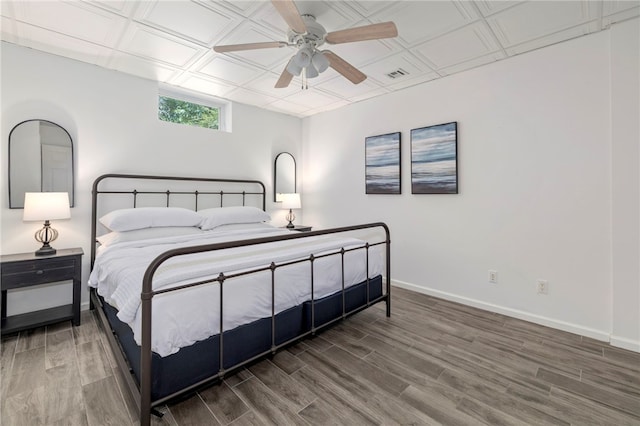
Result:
pixel 432 362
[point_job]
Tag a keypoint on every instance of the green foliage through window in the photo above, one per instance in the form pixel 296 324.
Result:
pixel 183 112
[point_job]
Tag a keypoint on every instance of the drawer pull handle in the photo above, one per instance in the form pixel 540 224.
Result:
pixel 39 272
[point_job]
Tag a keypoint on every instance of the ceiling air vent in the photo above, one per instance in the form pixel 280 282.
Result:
pixel 397 73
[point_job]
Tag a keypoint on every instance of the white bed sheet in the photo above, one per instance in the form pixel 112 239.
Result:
pixel 184 317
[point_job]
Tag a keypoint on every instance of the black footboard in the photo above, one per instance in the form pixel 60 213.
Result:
pixel 318 313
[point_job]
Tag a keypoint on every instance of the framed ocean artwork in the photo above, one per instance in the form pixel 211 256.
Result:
pixel 434 159
pixel 382 164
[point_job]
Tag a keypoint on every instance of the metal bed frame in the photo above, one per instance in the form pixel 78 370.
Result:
pixel 141 394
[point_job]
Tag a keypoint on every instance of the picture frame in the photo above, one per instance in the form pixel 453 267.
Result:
pixel 434 159
pixel 382 164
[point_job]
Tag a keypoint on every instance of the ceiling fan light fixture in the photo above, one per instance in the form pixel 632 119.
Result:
pixel 303 57
pixel 319 61
pixel 311 71
pixel 294 68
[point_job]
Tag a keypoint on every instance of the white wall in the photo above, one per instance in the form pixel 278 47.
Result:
pixel 625 137
pixel 112 119
pixel 535 179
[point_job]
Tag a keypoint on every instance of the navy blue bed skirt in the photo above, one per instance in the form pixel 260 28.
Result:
pixel 201 360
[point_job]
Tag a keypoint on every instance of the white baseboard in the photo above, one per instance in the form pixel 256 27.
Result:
pixel 515 313
pixel 624 343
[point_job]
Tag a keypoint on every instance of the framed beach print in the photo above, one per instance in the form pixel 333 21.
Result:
pixel 434 159
pixel 382 164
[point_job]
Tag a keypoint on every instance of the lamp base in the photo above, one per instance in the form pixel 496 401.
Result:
pixel 45 236
pixel 45 250
pixel 290 217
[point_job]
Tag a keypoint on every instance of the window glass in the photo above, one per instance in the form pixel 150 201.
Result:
pixel 189 113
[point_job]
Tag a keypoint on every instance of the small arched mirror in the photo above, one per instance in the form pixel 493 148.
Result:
pixel 40 160
pixel 284 175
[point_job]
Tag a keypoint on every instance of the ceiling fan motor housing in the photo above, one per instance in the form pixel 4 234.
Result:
pixel 314 37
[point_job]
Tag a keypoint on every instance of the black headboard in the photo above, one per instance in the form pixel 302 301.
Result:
pixel 114 191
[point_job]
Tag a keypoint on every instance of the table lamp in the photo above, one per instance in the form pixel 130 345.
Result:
pixel 291 201
pixel 46 206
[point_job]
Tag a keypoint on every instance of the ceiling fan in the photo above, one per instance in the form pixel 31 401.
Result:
pixel 307 36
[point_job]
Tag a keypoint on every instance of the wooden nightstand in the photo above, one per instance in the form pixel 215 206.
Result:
pixel 25 270
pixel 299 228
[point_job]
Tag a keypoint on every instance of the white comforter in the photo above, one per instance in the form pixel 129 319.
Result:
pixel 181 318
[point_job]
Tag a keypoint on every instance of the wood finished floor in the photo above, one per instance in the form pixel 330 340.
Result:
pixel 432 362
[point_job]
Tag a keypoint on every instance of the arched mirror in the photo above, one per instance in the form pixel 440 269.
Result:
pixel 40 160
pixel 284 175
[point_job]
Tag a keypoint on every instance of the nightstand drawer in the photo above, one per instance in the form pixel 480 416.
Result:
pixel 32 273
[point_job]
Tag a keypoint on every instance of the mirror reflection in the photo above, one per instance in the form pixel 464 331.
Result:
pixel 40 160
pixel 284 175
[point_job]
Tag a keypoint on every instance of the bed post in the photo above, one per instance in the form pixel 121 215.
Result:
pixel 94 217
pixel 388 261
pixel 145 353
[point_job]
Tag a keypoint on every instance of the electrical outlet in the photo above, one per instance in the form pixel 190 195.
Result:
pixel 493 276
pixel 543 287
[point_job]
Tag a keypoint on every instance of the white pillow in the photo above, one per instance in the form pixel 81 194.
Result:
pixel 146 234
pixel 149 217
pixel 218 216
pixel 240 227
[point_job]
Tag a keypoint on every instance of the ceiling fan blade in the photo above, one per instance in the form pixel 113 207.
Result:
pixel 285 79
pixel 350 72
pixel 367 32
pixel 249 46
pixel 289 12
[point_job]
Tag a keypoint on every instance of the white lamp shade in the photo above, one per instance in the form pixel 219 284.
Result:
pixel 311 71
pixel 291 201
pixel 319 61
pixel 294 68
pixel 303 57
pixel 46 206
